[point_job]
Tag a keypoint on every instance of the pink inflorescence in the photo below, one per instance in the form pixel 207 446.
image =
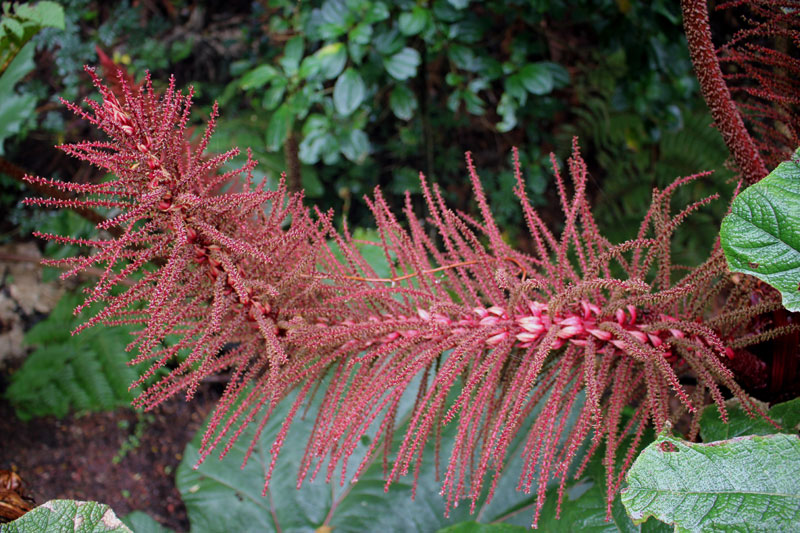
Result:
pixel 233 278
pixel 529 325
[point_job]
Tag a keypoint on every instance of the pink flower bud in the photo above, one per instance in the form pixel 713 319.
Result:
pixel 489 321
pixel 569 331
pixel 494 340
pixel 655 340
pixel 527 337
pixel 531 324
pixel 537 308
pixel 600 334
pixel 498 311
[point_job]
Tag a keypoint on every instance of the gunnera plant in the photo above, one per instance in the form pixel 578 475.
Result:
pixel 230 277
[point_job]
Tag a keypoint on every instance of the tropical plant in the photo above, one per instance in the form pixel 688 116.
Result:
pixel 239 279
pixel 243 280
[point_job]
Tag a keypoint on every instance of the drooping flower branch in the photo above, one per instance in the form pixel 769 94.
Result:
pixel 750 82
pixel 239 279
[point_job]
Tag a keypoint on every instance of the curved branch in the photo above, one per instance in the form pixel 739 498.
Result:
pixel 716 94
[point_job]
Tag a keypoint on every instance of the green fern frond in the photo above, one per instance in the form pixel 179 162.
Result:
pixel 87 372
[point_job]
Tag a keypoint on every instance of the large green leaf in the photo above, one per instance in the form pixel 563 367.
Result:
pixel 278 128
pixel 332 59
pixel 414 21
pixel 15 108
pixel 742 484
pixel 537 78
pixel 761 235
pixel 221 497
pixel 712 428
pixel 66 516
pixel 258 77
pixel 349 92
pixel 403 102
pixel 403 64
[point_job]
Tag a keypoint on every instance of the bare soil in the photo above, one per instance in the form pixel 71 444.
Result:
pixel 104 457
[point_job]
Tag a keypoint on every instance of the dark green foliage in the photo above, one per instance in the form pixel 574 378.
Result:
pixel 87 372
pixel 712 428
pixel 222 496
pixel 21 21
pixel 692 147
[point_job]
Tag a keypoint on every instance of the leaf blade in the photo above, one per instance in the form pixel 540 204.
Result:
pixel 713 487
pixel 761 235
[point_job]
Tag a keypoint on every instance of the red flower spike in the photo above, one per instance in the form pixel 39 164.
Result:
pixel 243 282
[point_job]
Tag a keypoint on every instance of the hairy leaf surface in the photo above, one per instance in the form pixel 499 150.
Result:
pixel 68 516
pixel 761 236
pixel 741 484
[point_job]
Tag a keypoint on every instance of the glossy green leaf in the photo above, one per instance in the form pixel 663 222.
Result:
pixel 278 127
pixel 463 57
pixel 17 69
pixel 515 88
pixel 472 102
pixel 292 53
pixel 742 484
pixel 712 428
pixel 355 146
pixel 349 92
pixel 761 235
pixel 310 67
pixel 508 113
pixel 403 102
pixel 536 78
pixel 361 34
pixel 67 516
pixel 560 74
pixel 274 95
pixel 403 64
pixel 332 59
pixel 44 14
pixel 414 21
pixel 221 497
pixel 258 77
pixel 389 42
pixel 376 13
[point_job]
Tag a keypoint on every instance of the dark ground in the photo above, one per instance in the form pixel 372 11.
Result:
pixel 74 457
pixel 123 458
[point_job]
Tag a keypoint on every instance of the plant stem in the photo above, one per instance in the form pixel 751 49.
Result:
pixel 716 94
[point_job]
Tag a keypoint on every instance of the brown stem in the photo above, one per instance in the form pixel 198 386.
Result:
pixel 291 152
pixel 9 168
pixel 92 271
pixel 715 92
